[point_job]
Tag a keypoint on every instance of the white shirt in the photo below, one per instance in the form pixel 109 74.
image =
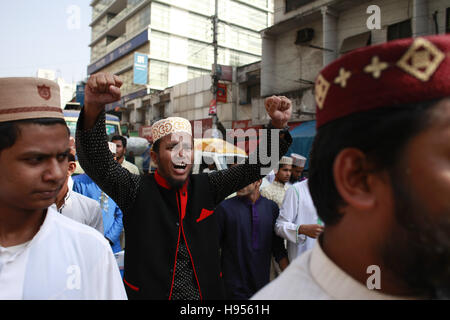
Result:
pixel 267 180
pixel 297 209
pixel 313 276
pixel 64 260
pixel 82 209
pixel 130 167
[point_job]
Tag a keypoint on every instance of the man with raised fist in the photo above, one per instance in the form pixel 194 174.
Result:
pixel 171 232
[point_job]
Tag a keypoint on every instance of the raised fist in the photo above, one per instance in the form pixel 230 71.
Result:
pixel 101 89
pixel 279 109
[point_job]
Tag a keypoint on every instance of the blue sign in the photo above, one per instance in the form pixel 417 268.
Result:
pixel 140 69
pixel 80 94
pixel 124 49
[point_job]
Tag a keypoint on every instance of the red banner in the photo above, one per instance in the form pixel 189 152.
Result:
pixel 221 93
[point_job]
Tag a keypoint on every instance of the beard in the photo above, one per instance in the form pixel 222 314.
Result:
pixel 178 184
pixel 293 179
pixel 418 249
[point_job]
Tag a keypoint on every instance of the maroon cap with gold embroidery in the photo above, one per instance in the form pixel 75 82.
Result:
pixel 393 73
pixel 29 98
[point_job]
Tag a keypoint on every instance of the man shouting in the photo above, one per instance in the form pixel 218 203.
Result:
pixel 172 244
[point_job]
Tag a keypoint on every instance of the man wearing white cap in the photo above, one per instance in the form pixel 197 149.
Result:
pixel 171 232
pixel 43 254
pixel 298 165
pixel 276 190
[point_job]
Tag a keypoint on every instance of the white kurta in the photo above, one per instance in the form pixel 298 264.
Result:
pixel 313 276
pixel 64 260
pixel 296 209
pixel 82 209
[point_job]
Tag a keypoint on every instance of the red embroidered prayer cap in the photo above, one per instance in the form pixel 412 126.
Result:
pixel 393 73
pixel 29 98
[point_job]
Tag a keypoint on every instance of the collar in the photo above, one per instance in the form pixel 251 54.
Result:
pixel 163 182
pixel 248 202
pixel 338 284
pixel 278 184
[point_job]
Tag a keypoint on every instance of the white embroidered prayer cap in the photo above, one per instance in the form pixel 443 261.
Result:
pixel 170 125
pixel 298 160
pixel 286 160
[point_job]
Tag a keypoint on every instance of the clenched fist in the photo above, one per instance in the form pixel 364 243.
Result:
pixel 279 109
pixel 101 89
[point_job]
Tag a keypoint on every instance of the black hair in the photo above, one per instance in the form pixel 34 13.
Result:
pixel 281 165
pixel 9 131
pixel 71 157
pixel 381 134
pixel 155 146
pixel 121 138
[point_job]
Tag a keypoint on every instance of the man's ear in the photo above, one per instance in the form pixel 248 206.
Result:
pixel 154 156
pixel 72 167
pixel 353 179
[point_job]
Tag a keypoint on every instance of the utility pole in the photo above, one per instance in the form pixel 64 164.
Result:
pixel 215 76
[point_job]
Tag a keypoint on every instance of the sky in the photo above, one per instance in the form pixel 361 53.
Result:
pixel 46 34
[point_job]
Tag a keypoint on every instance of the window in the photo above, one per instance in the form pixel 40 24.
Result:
pixel 447 21
pixel 199 54
pixel 195 73
pixel 253 92
pixel 399 30
pixel 159 74
pixel 236 13
pixel 159 45
pixel 160 16
pixel 294 4
pixel 199 27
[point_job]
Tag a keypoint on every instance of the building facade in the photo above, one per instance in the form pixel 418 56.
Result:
pixel 309 34
pixel 176 36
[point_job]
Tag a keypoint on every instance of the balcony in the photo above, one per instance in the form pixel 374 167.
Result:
pixel 99 8
pixel 116 26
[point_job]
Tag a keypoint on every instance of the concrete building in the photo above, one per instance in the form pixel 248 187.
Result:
pixel 176 35
pixel 309 34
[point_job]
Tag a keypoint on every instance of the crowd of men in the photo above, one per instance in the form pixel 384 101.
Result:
pixel 375 197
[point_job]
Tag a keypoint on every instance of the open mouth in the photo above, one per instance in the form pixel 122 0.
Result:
pixel 180 166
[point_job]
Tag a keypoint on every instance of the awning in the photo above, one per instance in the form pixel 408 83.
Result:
pixel 355 42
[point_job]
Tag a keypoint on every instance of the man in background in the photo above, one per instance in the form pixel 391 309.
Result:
pixel 248 241
pixel 276 190
pixel 121 149
pixel 298 165
pixel 110 212
pixel 77 206
pixel 298 223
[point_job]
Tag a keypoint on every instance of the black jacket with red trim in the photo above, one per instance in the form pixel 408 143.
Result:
pixel 152 229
